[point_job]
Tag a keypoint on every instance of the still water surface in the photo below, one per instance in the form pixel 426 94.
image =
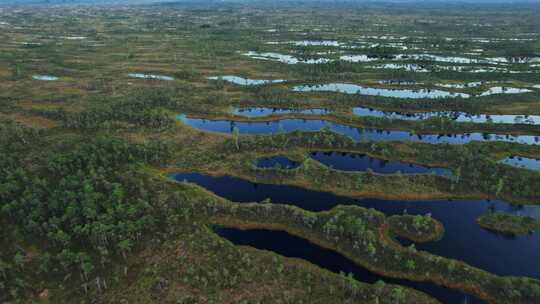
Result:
pixel 464 239
pixel 357 134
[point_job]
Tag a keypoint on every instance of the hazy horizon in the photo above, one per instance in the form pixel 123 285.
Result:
pixel 24 2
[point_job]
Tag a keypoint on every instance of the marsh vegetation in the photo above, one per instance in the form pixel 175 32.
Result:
pixel 190 153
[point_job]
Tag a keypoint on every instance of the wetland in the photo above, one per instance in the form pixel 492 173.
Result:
pixel 288 152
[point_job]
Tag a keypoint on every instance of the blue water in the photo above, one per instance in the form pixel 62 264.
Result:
pixel 277 161
pixel 464 239
pixel 522 162
pixel 362 90
pixel 150 76
pixel 245 81
pixel 290 246
pixel 44 77
pixel 361 162
pixel 262 111
pixel 457 116
pixel 413 116
pixel 357 134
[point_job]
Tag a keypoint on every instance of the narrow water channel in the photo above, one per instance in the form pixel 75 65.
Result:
pixel 291 246
pixel 411 116
pixel 464 239
pixel 357 134
pixel 395 93
pixel 265 111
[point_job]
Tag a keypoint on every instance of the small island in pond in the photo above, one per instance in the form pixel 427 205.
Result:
pixel 417 228
pixel 508 223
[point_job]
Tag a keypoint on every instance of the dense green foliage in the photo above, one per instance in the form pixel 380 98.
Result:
pixel 84 206
pixel 417 228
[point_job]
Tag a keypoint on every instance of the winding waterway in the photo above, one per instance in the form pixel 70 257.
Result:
pixel 357 134
pixel 464 239
pixel 412 116
pixel 295 247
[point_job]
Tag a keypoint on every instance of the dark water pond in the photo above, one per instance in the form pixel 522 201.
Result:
pixel 357 134
pixel 295 247
pixel 277 161
pixel 464 239
pixel 362 162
